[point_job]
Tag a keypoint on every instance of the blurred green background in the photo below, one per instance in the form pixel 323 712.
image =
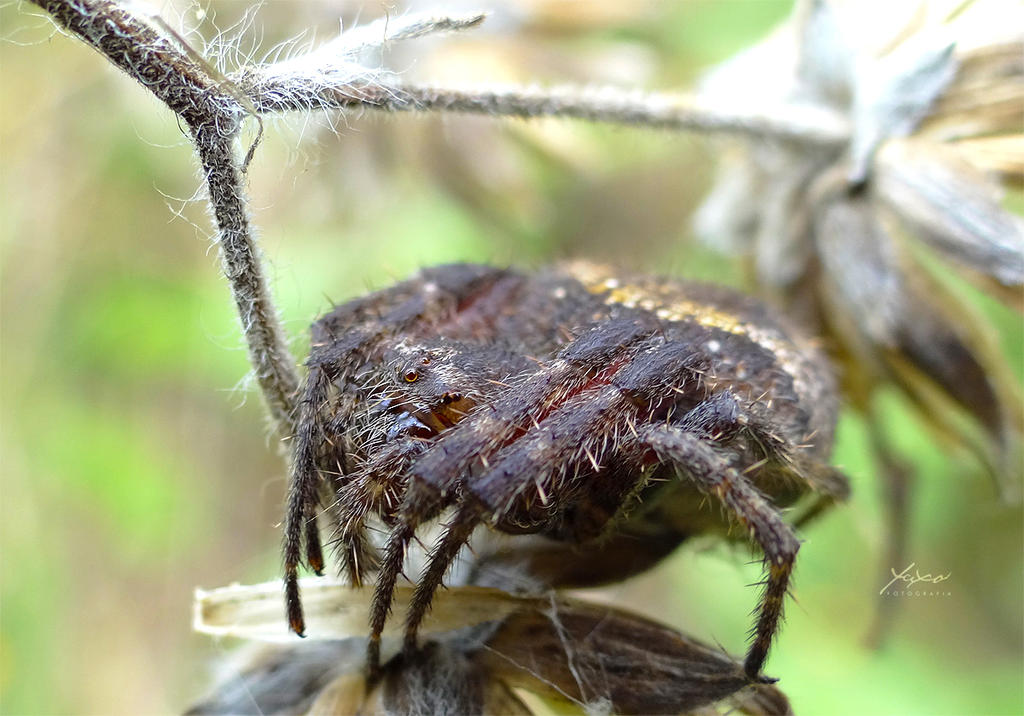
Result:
pixel 135 462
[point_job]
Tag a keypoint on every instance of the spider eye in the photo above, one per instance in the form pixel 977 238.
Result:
pixel 426 360
pixel 411 376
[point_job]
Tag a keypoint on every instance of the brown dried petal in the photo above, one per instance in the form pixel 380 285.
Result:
pixel 951 345
pixel 908 324
pixel 950 205
pixel 935 346
pixel 600 657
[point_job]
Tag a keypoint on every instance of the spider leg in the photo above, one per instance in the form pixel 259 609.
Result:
pixel 585 430
pixel 514 470
pixel 445 464
pixel 419 504
pixel 589 416
pixel 356 554
pixel 303 497
pixel 376 488
pixel 384 592
pixel 518 409
pixel 714 474
pixel 722 418
pixel 456 534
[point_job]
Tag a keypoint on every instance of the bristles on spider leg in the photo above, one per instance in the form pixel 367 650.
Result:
pixel 314 550
pixel 352 545
pixel 303 495
pixel 770 617
pixel 455 536
pixel 384 592
pixel 419 504
pixel 756 514
pixel 293 604
pixel 353 556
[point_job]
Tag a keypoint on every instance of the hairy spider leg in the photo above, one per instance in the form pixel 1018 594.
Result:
pixel 384 591
pixel 590 416
pixel 517 410
pixel 581 433
pixel 376 488
pixel 697 460
pixel 433 479
pixel 350 539
pixel 303 496
pixel 419 505
pixel 455 535
pixel 722 417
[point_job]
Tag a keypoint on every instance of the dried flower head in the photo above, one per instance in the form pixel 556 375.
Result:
pixel 490 652
pixel 848 237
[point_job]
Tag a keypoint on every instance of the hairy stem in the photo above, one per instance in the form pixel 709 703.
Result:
pixel 177 76
pixel 807 124
pixel 268 352
pixel 142 51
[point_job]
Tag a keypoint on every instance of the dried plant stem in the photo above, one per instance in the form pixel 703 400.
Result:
pixel 193 92
pixel 268 352
pixel 138 48
pixel 808 125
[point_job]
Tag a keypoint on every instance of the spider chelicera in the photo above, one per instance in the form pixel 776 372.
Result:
pixel 596 411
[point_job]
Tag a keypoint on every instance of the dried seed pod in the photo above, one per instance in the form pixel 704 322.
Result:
pixel 608 659
pixel 563 651
pixel 945 95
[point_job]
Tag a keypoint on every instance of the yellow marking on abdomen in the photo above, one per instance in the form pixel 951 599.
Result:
pixel 598 280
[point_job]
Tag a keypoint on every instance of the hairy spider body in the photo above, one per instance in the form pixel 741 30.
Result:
pixel 595 411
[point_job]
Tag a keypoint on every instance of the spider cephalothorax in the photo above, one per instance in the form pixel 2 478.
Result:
pixel 596 412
